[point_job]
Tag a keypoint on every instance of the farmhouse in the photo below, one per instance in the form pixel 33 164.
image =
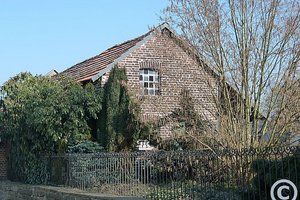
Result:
pixel 159 66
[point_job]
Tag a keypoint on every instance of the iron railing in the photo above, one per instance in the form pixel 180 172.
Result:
pixel 227 174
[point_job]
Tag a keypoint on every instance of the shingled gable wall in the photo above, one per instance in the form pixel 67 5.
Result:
pixel 177 70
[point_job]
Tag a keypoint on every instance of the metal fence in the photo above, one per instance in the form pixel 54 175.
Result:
pixel 226 174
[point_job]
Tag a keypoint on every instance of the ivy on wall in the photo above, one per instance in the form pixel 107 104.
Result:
pixel 186 123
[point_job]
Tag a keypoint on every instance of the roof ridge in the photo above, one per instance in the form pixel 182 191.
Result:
pixel 128 41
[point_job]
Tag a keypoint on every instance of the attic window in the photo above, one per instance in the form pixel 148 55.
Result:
pixel 149 82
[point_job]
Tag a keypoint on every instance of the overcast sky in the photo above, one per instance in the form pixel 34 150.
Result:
pixel 38 36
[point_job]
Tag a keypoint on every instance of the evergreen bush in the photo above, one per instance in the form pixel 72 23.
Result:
pixel 119 123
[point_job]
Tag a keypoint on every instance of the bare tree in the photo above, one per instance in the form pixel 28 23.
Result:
pixel 254 47
pixel 287 111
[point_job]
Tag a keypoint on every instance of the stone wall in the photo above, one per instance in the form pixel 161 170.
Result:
pixel 18 191
pixel 177 71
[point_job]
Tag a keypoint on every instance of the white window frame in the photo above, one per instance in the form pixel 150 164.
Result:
pixel 149 82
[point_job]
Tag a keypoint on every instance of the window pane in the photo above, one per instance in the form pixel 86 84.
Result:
pixel 146 78
pixel 151 71
pixel 146 91
pixel 150 78
pixel 141 77
pixel 145 71
pixel 156 92
pixel 151 92
pixel 156 78
pixel 150 85
pixel 145 85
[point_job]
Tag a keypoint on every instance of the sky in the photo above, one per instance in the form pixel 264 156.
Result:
pixel 38 36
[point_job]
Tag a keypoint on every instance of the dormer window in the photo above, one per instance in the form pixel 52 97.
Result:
pixel 149 82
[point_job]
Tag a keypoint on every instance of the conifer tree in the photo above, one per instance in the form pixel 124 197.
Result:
pixel 119 127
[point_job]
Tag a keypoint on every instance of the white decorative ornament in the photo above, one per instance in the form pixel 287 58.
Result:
pixel 286 184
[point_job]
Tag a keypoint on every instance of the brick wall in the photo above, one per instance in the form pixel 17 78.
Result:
pixel 177 70
pixel 3 161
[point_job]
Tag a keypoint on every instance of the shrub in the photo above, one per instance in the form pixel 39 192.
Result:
pixel 85 146
pixel 41 116
pixel 268 172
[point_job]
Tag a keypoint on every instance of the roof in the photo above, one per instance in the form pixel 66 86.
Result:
pixel 89 68
pixel 93 68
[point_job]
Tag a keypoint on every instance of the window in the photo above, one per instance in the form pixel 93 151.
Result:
pixel 149 82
